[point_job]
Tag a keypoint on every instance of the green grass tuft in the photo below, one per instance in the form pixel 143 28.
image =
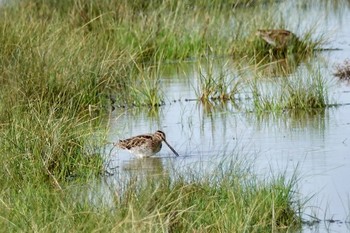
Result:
pixel 216 85
pixel 300 91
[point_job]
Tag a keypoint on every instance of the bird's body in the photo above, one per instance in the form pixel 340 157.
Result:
pixel 144 145
pixel 278 38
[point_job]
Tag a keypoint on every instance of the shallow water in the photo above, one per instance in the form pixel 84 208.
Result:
pixel 315 144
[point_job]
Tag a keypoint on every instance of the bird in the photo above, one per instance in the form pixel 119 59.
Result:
pixel 145 145
pixel 278 38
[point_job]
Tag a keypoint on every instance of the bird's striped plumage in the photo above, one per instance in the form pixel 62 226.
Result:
pixel 145 145
pixel 278 38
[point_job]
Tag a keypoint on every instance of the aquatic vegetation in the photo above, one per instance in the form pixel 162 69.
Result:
pixel 216 85
pixel 144 88
pixel 230 199
pixel 227 200
pixel 298 91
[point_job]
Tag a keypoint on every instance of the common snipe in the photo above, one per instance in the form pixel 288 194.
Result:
pixel 278 38
pixel 144 145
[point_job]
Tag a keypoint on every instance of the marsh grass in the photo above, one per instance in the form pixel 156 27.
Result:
pixel 145 87
pixel 206 205
pixel 62 63
pixel 47 148
pixel 303 91
pixel 216 85
pixel 231 199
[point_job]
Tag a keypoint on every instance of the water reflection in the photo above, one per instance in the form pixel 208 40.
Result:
pixel 313 119
pixel 146 166
pixel 108 190
pixel 278 68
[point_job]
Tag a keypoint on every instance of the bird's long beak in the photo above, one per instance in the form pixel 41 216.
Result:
pixel 172 149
